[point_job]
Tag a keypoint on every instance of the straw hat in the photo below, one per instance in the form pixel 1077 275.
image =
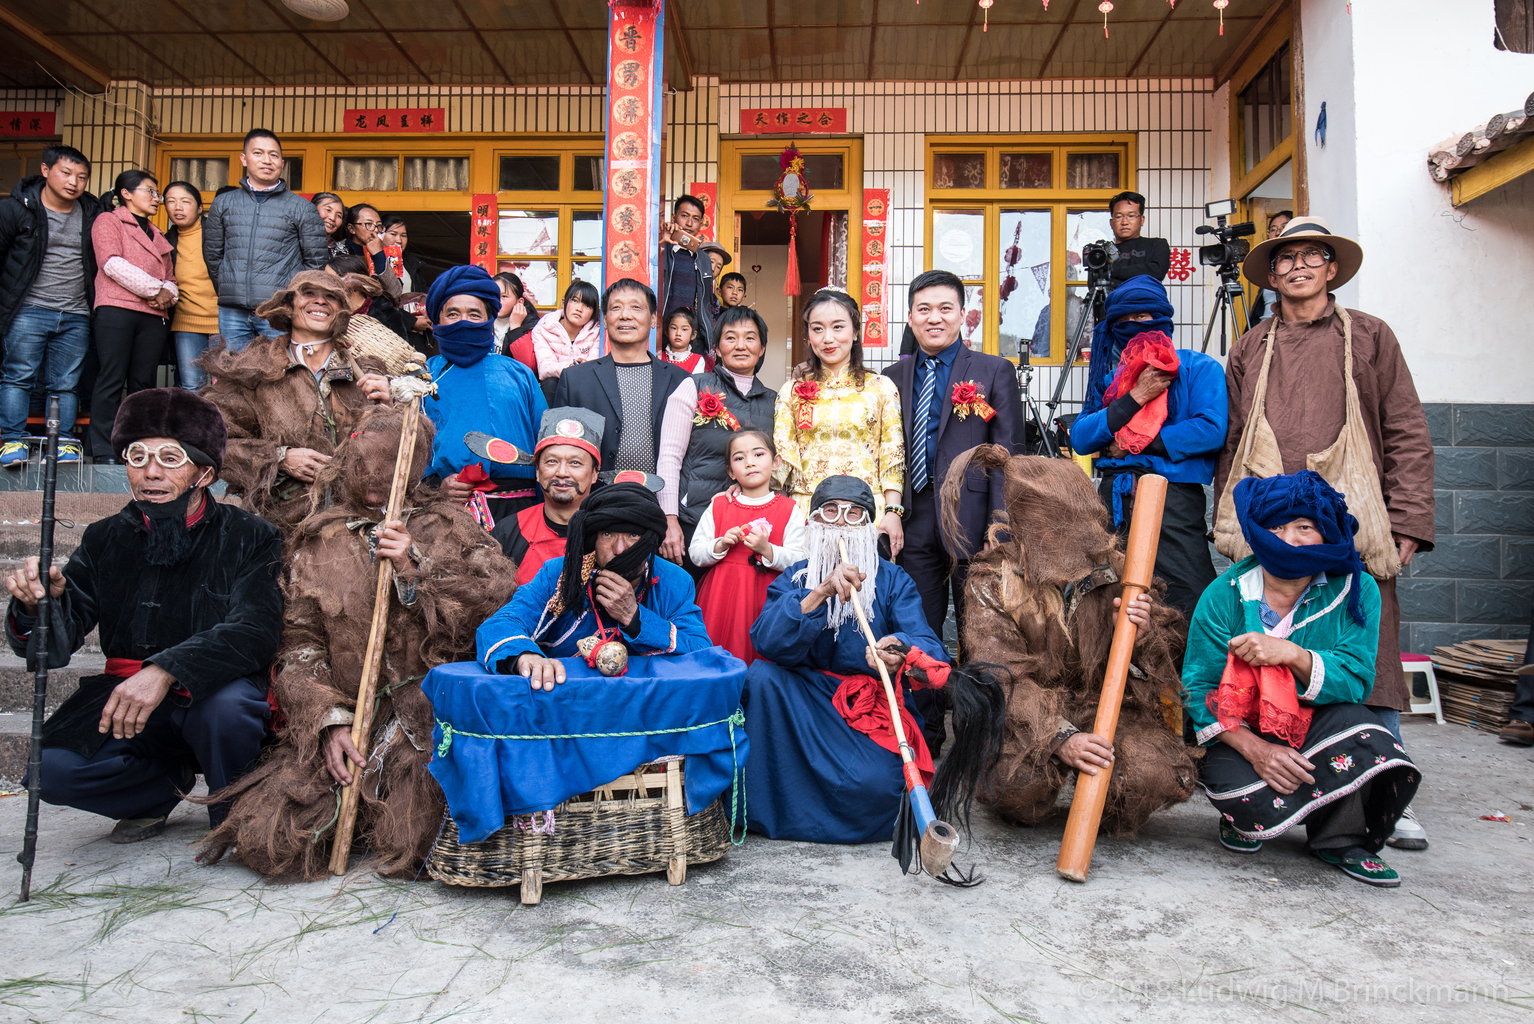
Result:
pixel 1348 254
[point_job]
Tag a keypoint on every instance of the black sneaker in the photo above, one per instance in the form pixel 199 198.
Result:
pixel 136 830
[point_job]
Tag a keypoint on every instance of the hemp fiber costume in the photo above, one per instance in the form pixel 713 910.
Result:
pixel 282 816
pixel 1041 604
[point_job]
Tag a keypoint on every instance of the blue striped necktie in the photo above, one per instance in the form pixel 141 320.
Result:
pixel 919 415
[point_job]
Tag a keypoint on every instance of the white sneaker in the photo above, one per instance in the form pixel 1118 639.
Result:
pixel 1409 833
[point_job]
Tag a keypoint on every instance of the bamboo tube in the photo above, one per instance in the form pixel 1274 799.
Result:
pixel 1139 567
pixel 362 722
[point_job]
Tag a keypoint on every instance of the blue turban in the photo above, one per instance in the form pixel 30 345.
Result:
pixel 1142 294
pixel 1262 504
pixel 465 342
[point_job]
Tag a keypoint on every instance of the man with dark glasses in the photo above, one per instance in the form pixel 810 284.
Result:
pixel 184 592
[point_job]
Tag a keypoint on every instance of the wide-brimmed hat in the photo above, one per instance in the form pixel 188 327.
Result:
pixel 1346 253
pixel 716 247
pixel 278 310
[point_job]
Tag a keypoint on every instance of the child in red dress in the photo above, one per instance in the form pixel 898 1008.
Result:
pixel 745 540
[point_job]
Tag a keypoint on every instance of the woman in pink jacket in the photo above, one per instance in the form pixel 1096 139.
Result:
pixel 135 288
pixel 568 335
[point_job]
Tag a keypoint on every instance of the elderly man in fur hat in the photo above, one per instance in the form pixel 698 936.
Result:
pixel 824 766
pixel 290 400
pixel 1043 605
pixel 449 574
pixel 183 591
pixel 608 585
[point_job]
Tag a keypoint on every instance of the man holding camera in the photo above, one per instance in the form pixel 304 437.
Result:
pixel 1151 256
pixel 686 281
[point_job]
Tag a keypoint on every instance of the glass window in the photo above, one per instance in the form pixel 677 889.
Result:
pixel 587 233
pixel 292 173
pixel 1075 309
pixel 540 279
pixel 1092 170
pixel 366 174
pixel 209 175
pixel 759 171
pixel 1027 170
pixel 589 175
pixel 958 242
pixel 589 271
pixel 436 174
pixel 958 170
pixel 529 174
pixel 1266 116
pixel 973 329
pixel 529 232
pixel 1083 227
pixel 1023 309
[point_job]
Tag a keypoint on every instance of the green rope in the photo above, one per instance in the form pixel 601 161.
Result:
pixel 737 717
pixel 314 839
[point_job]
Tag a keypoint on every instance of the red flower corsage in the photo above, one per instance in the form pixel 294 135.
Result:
pixel 711 408
pixel 968 399
pixel 808 393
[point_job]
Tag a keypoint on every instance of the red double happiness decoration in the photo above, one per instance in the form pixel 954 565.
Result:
pixel 875 257
pixel 631 205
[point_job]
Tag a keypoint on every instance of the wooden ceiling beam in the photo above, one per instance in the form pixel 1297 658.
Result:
pixel 772 37
pixel 569 38
pixel 137 45
pixel 1049 55
pixel 219 37
pixel 303 36
pixel 683 50
pixel 34 35
pixel 969 31
pixel 1240 53
pixel 1150 42
pixel 873 39
pixel 483 43
pixel 395 40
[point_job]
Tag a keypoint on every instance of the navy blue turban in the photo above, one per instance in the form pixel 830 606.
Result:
pixel 465 342
pixel 1142 294
pixel 1263 504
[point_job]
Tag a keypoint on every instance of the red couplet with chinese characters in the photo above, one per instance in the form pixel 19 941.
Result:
pixel 875 256
pixel 708 193
pixel 631 212
pixel 394 120
pixel 483 215
pixel 794 120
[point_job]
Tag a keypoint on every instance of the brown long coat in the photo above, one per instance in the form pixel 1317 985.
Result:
pixel 270 400
pixel 1306 408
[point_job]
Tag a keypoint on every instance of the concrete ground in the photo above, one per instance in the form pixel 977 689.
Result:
pixel 1169 927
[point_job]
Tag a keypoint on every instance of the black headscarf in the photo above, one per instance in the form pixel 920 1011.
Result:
pixel 626 508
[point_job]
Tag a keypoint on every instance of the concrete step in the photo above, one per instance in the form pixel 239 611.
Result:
pixel 16 683
pixel 15 743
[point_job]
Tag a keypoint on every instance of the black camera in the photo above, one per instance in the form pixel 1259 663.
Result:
pixel 1098 256
pixel 1232 246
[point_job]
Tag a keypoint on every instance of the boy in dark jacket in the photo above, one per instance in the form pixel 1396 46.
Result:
pixel 255 238
pixel 184 592
pixel 47 276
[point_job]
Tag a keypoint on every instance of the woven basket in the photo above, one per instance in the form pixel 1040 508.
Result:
pixel 634 825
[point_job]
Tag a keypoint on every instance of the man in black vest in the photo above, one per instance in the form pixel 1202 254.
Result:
pixel 694 458
pixel 951 399
pixel 1137 255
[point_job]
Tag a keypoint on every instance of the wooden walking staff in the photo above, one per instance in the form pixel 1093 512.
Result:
pixel 1139 566
pixel 362 722
pixel 939 840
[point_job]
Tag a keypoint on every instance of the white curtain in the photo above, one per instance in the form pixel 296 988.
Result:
pixel 436 174
pixel 208 175
pixel 837 275
pixel 366 174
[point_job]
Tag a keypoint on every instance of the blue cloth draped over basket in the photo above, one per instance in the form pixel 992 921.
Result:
pixel 502 748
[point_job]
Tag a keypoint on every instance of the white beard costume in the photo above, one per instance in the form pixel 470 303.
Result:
pixel 825 555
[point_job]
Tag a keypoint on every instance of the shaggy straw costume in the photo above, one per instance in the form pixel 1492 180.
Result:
pixel 271 401
pixel 1041 604
pixel 283 813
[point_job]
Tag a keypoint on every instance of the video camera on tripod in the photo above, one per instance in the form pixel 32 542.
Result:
pixel 1225 256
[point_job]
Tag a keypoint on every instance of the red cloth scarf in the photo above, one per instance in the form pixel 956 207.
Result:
pixel 862 702
pixel 1263 698
pixel 1144 350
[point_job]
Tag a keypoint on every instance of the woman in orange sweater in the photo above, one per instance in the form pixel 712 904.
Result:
pixel 196 316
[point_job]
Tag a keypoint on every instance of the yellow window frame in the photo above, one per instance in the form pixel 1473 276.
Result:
pixel 993 199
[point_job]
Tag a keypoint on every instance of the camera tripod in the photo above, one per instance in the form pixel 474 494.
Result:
pixel 1033 418
pixel 1225 297
pixel 1097 292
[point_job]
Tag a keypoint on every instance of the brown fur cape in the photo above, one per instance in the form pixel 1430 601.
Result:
pixel 281 823
pixel 1024 609
pixel 271 401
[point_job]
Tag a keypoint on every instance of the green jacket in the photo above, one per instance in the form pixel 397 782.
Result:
pixel 1343 651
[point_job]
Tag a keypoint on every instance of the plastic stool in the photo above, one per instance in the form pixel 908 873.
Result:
pixel 1432 706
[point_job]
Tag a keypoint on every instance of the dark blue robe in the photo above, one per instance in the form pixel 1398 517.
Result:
pixel 812 776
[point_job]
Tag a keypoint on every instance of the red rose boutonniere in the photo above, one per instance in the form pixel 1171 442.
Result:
pixel 711 409
pixel 808 393
pixel 968 399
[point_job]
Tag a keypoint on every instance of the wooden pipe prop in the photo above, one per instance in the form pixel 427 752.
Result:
pixel 939 840
pixel 362 721
pixel 1139 567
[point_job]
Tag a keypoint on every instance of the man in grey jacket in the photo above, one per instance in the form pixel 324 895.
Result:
pixel 255 238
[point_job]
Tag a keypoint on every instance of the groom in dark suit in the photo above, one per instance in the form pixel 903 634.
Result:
pixel 951 399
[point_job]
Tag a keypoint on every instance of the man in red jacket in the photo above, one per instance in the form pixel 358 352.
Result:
pixel 567 457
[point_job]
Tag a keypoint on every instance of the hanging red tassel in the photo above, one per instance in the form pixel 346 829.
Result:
pixel 791 279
